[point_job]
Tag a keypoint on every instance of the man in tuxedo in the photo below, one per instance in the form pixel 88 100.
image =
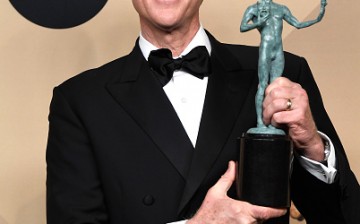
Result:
pixel 144 140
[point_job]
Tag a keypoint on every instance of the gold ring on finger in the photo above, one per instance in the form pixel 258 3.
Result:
pixel 288 104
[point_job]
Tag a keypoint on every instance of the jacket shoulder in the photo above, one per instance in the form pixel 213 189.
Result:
pixel 95 75
pixel 92 79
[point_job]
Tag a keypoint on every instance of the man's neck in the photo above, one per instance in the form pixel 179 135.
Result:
pixel 176 39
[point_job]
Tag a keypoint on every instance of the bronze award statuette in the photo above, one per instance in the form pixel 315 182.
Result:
pixel 266 153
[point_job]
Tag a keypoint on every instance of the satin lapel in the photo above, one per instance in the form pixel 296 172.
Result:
pixel 228 88
pixel 141 95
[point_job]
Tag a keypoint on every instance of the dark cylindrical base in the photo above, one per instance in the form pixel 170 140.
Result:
pixel 264 170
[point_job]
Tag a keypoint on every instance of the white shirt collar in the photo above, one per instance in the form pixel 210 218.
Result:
pixel 200 39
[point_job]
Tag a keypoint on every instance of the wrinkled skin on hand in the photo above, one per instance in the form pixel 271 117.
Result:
pixel 298 119
pixel 218 208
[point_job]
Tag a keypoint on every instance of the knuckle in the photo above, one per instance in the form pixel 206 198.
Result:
pixel 265 214
pixel 298 86
pixel 275 93
pixel 262 214
pixel 283 81
pixel 302 93
pixel 280 80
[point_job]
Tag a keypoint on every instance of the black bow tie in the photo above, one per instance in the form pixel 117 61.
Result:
pixel 196 62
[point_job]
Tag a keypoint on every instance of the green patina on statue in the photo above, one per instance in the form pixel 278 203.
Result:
pixel 267 17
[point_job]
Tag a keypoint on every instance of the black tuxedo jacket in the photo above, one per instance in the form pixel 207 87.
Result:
pixel 118 153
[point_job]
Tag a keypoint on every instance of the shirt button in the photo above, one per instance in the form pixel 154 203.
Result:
pixel 148 200
pixel 184 100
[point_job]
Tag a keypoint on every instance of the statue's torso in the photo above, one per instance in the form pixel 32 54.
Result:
pixel 271 32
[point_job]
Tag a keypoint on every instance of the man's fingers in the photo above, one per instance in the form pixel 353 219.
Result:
pixel 226 180
pixel 265 213
pixel 279 93
pixel 281 82
pixel 219 208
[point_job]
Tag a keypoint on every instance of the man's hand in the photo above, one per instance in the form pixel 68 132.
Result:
pixel 298 118
pixel 218 208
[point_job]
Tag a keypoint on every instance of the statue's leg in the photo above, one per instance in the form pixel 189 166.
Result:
pixel 258 103
pixel 277 66
pixel 263 73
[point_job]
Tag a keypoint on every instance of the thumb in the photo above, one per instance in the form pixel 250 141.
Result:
pixel 224 183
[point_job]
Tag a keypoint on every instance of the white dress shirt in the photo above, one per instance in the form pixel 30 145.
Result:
pixel 187 95
pixel 185 91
